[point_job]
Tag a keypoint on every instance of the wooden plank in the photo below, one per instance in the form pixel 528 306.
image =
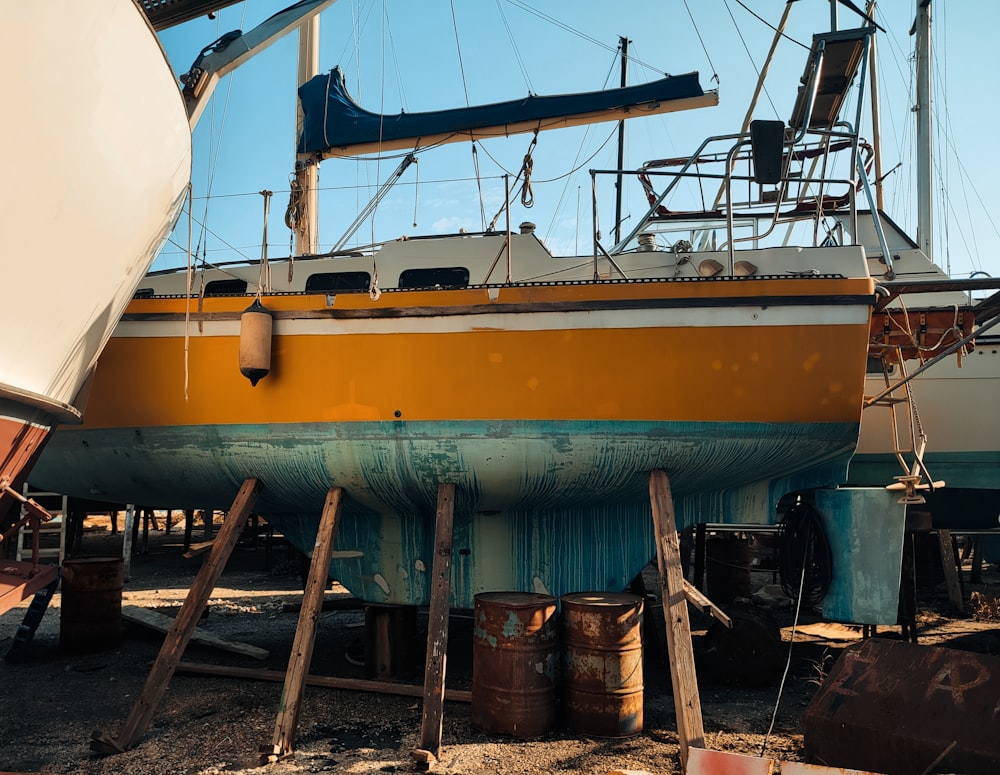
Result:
pixel 162 623
pixel 324 681
pixel 432 717
pixel 950 565
pixel 177 639
pixel 702 603
pixel 195 549
pixel 305 633
pixel 683 678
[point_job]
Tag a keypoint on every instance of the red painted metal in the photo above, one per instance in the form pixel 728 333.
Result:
pixel 602 664
pixel 514 663
pixel 898 708
pixel 20 580
pixel 703 761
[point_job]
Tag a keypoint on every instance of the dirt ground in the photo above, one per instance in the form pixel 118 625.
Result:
pixel 53 700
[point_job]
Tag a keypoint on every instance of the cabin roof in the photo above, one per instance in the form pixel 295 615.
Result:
pixel 167 13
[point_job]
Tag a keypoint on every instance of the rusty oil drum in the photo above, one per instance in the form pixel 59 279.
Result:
pixel 602 662
pixel 514 663
pixel 90 617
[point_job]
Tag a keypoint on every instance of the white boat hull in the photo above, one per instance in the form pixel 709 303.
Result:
pixel 96 160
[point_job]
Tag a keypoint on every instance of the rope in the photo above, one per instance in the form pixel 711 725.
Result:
pixel 187 297
pixel 527 195
pixel 479 186
pixel 527 198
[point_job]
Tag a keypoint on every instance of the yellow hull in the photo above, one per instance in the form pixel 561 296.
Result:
pixel 627 355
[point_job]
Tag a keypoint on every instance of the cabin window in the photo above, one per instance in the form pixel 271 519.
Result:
pixel 143 293
pixel 338 281
pixel 447 277
pixel 226 287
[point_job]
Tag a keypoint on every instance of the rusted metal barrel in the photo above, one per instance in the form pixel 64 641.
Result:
pixel 514 656
pixel 90 617
pixel 602 662
pixel 900 708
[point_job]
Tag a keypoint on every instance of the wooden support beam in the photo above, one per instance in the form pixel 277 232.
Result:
pixel 184 625
pixel 324 681
pixel 949 561
pixel 154 620
pixel 305 633
pixel 146 513
pixel 706 606
pixel 683 678
pixel 437 627
pixel 976 573
pixel 127 539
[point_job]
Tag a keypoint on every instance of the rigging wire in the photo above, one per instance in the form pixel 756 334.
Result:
pixel 746 48
pixel 766 23
pixel 704 48
pixel 524 6
pixel 214 163
pixel 513 45
pixel 574 167
pixel 458 48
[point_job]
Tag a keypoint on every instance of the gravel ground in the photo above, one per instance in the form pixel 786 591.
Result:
pixel 54 701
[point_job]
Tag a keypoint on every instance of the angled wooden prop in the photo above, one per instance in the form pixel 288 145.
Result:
pixel 437 630
pixel 683 678
pixel 305 633
pixel 184 625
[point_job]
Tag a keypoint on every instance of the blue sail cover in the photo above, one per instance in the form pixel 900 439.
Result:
pixel 335 122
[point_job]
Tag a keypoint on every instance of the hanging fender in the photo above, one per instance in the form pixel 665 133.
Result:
pixel 255 342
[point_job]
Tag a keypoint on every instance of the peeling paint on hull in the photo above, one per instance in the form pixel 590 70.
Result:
pixel 581 521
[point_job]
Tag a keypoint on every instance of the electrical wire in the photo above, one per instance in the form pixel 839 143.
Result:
pixel 788 661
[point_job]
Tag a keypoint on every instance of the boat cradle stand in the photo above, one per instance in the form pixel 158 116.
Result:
pixel 676 594
pixel 183 628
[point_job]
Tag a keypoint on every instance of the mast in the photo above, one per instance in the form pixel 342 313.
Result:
pixel 306 168
pixel 925 213
pixel 621 145
pixel 876 113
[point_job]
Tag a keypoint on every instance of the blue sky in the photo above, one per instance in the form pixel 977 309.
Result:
pixel 435 54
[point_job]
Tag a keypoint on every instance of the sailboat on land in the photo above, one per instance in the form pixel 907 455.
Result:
pixel 941 443
pixel 85 208
pixel 544 388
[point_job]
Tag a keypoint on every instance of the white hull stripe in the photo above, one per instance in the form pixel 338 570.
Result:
pixel 729 317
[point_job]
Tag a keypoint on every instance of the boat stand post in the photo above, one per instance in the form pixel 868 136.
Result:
pixel 188 528
pixel 127 539
pixel 183 628
pixel 305 632
pixel 429 747
pixel 683 678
